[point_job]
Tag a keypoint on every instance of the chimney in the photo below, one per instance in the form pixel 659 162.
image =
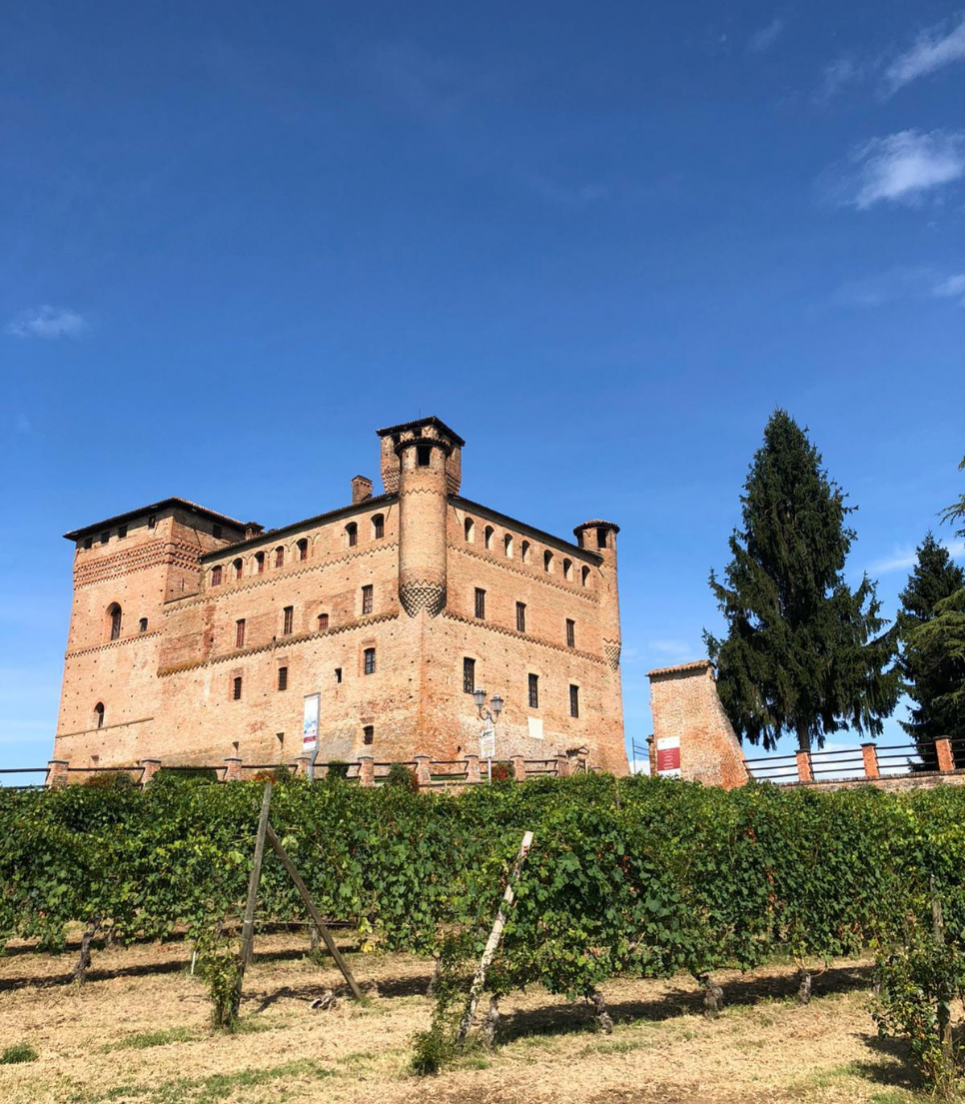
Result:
pixel 252 529
pixel 361 489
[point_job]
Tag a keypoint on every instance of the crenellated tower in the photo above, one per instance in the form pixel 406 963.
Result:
pixel 601 537
pixel 422 462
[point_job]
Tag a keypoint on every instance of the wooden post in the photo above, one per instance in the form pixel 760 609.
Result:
pixel 314 914
pixel 248 928
pixel 494 937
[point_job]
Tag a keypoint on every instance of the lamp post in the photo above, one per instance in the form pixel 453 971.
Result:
pixel 490 715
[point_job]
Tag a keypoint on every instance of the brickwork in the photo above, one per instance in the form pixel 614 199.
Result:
pixel 393 573
pixel 685 705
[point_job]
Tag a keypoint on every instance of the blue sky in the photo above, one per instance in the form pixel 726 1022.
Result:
pixel 603 242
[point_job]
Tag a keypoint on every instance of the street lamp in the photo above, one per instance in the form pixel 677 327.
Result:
pixel 491 716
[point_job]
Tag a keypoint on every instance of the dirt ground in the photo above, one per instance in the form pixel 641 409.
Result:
pixel 138 1032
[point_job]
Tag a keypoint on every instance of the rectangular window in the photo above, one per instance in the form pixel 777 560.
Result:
pixel 105 537
pixel 378 526
pixel 570 633
pixel 534 691
pixel 468 675
pixel 143 624
pixel 279 557
pixel 121 532
pixel 216 532
pixel 151 521
pixel 367 599
pixel 574 701
pixel 352 530
pixel 216 576
pixel 521 617
pixel 236 688
pixel 369 661
pixel 338 674
pixel 322 622
pixel 423 455
pixel 282 678
pixel 289 620
pixel 240 633
pixel 88 542
pixel 480 603
pixel 259 563
pixel 368 734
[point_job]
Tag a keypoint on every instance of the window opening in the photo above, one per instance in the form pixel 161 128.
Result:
pixel 570 633
pixel 236 688
pixel 142 625
pixel 282 678
pixel 574 701
pixel 521 617
pixel 378 527
pixel 216 576
pixel 367 599
pixel 289 620
pixel 99 714
pixel 115 612
pixel 480 603
pixel 240 633
pixel 534 691
pixel 468 675
pixel 368 734
pixel 369 661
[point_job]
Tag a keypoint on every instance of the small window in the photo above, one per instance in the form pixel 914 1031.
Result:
pixel 240 633
pixel 216 532
pixel 352 532
pixel 378 527
pixel 282 678
pixel 322 622
pixel 570 633
pixel 547 560
pixel 524 551
pixel 142 625
pixel 338 674
pixel 151 521
pixel 521 617
pixel 289 620
pixel 480 603
pixel 508 546
pixel 368 734
pixel 368 661
pixel 259 563
pixel 105 537
pixel 567 569
pixel 302 547
pixel 468 675
pixel 488 537
pixel 469 529
pixel 121 532
pixel 279 556
pixel 584 575
pixel 601 538
pixel 423 455
pixel 236 688
pixel 534 691
pixel 88 542
pixel 367 599
pixel 216 576
pixel 115 616
pixel 574 701
pixel 99 715
pixel 239 568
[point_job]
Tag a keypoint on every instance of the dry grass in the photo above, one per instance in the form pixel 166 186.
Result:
pixel 138 1033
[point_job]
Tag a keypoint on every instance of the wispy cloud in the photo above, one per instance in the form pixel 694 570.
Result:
pixel 676 649
pixel 837 76
pixel 48 321
pixel 762 40
pixel 904 559
pixel 951 288
pixel 934 48
pixel 897 284
pixel 899 168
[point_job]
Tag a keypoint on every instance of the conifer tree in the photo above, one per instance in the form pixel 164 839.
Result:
pixel 931 673
pixel 803 654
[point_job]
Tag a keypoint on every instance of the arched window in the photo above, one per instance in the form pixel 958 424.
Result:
pixel 216 576
pixel 259 563
pixel 469 529
pixel 280 556
pixel 302 547
pixel 585 575
pixel 99 715
pixel 142 625
pixel 547 560
pixel 322 622
pixel 508 546
pixel 488 537
pixel 239 568
pixel 114 613
pixel 378 527
pixel 567 569
pixel 524 551
pixel 352 533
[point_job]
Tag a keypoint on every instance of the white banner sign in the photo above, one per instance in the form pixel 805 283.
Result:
pixel 310 722
pixel 487 744
pixel 668 756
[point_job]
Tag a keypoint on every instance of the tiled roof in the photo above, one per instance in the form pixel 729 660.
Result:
pixel 695 665
pixel 431 420
pixel 153 508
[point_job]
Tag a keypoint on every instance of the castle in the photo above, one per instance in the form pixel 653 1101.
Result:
pixel 195 637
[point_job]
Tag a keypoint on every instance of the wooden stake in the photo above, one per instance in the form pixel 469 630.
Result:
pixel 248 928
pixel 494 937
pixel 275 844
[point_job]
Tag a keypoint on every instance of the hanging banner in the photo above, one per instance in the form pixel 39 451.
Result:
pixel 668 756
pixel 310 723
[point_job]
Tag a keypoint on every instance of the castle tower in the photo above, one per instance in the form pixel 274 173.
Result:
pixel 422 460
pixel 601 537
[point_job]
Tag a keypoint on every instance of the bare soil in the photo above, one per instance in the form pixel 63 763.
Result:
pixel 137 1033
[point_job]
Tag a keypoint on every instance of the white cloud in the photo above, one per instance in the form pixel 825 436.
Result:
pixel 905 559
pixel 48 321
pixel 901 167
pixel 838 75
pixel 935 48
pixel 899 283
pixel 761 41
pixel 951 288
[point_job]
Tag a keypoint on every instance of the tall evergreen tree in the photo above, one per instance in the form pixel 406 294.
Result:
pixel 956 512
pixel 804 654
pixel 930 673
